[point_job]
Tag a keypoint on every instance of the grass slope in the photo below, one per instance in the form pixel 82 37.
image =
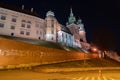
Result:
pixel 16 40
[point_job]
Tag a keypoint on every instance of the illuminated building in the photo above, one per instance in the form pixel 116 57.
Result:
pixel 23 24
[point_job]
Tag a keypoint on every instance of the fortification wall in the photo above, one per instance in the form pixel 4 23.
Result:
pixel 16 54
pixel 27 58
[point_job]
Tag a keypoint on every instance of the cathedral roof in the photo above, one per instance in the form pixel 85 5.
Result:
pixel 18 9
pixel 65 29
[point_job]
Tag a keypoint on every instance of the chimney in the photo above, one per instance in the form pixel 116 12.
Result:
pixel 22 7
pixel 31 9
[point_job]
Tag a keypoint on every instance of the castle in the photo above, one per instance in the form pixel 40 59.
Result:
pixel 19 23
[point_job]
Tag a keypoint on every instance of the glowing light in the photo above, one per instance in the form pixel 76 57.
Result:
pixel 94 49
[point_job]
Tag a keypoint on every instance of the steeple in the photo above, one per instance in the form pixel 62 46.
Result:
pixel 71 18
pixel 71 12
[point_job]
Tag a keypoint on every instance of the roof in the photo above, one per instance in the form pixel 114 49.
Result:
pixel 65 29
pixel 18 9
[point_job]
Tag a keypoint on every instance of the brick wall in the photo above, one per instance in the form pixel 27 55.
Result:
pixel 27 58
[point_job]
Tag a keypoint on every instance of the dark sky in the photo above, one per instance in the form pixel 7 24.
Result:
pixel 100 17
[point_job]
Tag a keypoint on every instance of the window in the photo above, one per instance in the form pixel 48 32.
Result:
pixel 37 32
pixel 28 26
pixel 40 33
pixel 22 25
pixel 37 25
pixel 27 33
pixel 29 22
pixel 52 31
pixel 14 19
pixel 76 30
pixel 22 32
pixel 1 25
pixel 12 27
pixel 39 38
pixel 52 25
pixel 23 21
pixel 3 17
pixel 52 38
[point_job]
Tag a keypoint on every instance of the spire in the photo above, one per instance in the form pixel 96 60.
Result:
pixel 71 18
pixel 71 12
pixel 79 21
pixel 22 7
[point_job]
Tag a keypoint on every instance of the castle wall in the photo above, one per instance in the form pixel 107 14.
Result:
pixel 22 25
pixel 65 38
pixel 75 31
pixel 26 58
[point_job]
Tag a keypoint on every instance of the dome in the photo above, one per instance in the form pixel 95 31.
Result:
pixel 79 21
pixel 50 13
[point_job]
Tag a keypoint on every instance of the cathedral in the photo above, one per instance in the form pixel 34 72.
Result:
pixel 25 24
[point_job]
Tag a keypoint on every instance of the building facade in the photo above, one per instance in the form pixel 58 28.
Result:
pixel 19 24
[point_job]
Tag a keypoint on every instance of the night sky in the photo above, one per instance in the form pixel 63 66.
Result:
pixel 100 17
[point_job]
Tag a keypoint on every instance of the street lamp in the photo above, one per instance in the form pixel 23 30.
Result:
pixel 94 49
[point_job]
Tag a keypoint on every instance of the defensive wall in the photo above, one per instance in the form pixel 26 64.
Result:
pixel 16 55
pixel 23 58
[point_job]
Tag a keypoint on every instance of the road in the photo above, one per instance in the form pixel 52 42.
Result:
pixel 80 75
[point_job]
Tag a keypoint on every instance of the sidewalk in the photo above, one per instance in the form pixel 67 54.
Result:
pixel 75 69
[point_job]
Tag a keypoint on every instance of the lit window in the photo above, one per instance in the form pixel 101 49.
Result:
pixel 12 27
pixel 22 32
pixel 22 25
pixel 3 17
pixel 27 33
pixel 1 25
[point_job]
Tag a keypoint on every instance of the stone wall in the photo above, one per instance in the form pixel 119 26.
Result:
pixel 26 58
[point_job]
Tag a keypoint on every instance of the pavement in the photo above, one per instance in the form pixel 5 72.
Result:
pixel 80 75
pixel 74 69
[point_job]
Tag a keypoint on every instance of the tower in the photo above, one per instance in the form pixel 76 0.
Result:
pixel 72 18
pixel 74 29
pixel 50 26
pixel 82 32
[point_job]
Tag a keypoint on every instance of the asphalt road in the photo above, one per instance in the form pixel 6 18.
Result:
pixel 80 75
